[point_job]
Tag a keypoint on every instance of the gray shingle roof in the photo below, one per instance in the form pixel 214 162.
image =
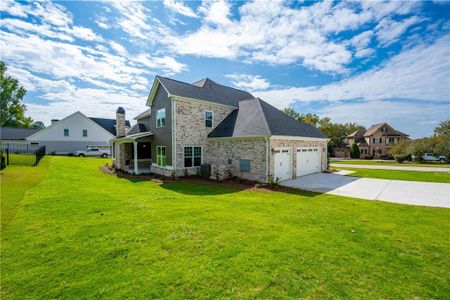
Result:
pixel 13 133
pixel 255 117
pixel 137 128
pixel 108 124
pixel 206 90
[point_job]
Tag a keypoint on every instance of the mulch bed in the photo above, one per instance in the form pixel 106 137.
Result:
pixel 239 184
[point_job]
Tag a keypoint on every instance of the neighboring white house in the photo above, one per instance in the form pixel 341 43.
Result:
pixel 75 132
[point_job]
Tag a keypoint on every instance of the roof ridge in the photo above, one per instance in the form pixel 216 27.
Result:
pixel 264 115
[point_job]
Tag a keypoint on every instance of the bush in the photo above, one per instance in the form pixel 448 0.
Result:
pixel 354 151
pixel 400 158
pixel 2 160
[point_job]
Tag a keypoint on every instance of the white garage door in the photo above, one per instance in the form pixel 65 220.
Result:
pixel 308 160
pixel 282 164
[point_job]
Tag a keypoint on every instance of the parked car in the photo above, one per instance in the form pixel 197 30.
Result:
pixel 431 157
pixel 93 152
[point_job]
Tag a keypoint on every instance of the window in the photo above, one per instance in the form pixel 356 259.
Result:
pixel 66 132
pixel 384 129
pixel 209 115
pixel 374 140
pixel 161 156
pixel 84 132
pixel 161 117
pixel 192 156
pixel 244 165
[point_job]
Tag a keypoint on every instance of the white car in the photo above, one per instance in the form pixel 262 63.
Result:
pixel 93 152
pixel 431 157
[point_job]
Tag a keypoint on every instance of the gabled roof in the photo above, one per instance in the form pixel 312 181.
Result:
pixel 108 124
pixel 255 117
pixel 137 128
pixel 14 133
pixel 357 134
pixel 205 89
pixel 391 131
pixel 144 114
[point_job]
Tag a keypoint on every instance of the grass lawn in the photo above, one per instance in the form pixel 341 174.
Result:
pixel 400 175
pixel 80 233
pixel 389 163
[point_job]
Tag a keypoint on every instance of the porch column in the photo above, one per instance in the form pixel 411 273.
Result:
pixel 135 157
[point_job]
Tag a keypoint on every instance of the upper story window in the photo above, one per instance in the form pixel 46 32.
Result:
pixel 161 117
pixel 66 132
pixel 384 129
pixel 209 117
pixel 84 132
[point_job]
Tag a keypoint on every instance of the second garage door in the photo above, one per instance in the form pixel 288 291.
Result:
pixel 282 164
pixel 308 160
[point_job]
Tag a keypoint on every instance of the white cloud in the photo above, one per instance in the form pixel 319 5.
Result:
pixel 249 82
pixel 101 22
pixel 419 73
pixel 388 30
pixel 179 8
pixel 118 48
pixel 277 34
pixel 216 12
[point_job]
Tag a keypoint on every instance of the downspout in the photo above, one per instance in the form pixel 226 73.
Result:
pixel 174 135
pixel 267 158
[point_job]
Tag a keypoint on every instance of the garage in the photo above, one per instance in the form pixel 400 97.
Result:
pixel 308 160
pixel 282 164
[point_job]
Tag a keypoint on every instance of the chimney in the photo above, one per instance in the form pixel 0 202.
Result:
pixel 120 122
pixel 54 121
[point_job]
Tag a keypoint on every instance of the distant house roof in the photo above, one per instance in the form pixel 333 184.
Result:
pixel 360 133
pixel 108 124
pixel 13 133
pixel 206 90
pixel 255 117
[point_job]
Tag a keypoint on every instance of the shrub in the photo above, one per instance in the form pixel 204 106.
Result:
pixel 354 151
pixel 2 160
pixel 400 158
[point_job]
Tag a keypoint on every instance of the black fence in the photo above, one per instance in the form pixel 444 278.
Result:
pixel 23 154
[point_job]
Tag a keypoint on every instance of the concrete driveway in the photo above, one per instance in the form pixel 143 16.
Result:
pixel 396 168
pixel 398 191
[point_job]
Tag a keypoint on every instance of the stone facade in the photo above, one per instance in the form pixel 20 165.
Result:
pixel 191 130
pixel 122 151
pixel 224 155
pixel 293 144
pixel 120 124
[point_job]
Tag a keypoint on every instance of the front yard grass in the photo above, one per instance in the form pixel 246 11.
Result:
pixel 390 163
pixel 80 233
pixel 399 175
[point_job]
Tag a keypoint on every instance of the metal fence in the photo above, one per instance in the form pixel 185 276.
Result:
pixel 23 154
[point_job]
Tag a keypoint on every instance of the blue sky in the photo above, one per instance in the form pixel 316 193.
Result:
pixel 366 62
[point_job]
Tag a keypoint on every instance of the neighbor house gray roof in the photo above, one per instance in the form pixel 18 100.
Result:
pixel 254 117
pixel 108 124
pixel 206 90
pixel 14 133
pixel 357 134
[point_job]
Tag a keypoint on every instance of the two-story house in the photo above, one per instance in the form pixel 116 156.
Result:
pixel 377 140
pixel 188 125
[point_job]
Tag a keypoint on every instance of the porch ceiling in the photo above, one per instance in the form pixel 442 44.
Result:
pixel 133 137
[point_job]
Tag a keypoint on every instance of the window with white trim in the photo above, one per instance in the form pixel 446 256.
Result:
pixel 192 157
pixel 161 156
pixel 161 117
pixel 85 132
pixel 209 118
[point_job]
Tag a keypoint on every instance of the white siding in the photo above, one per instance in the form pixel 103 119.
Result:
pixel 75 123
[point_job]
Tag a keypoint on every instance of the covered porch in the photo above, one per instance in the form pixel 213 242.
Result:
pixel 133 153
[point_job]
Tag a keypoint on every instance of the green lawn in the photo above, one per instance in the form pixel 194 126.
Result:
pixel 22 159
pixel 400 175
pixel 390 163
pixel 80 233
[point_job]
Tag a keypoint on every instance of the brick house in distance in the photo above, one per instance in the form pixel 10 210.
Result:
pixel 376 141
pixel 188 125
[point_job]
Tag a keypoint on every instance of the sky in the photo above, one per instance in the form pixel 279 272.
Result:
pixel 365 62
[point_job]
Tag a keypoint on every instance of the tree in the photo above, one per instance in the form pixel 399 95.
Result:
pixel 38 124
pixel 443 129
pixel 354 151
pixel 12 112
